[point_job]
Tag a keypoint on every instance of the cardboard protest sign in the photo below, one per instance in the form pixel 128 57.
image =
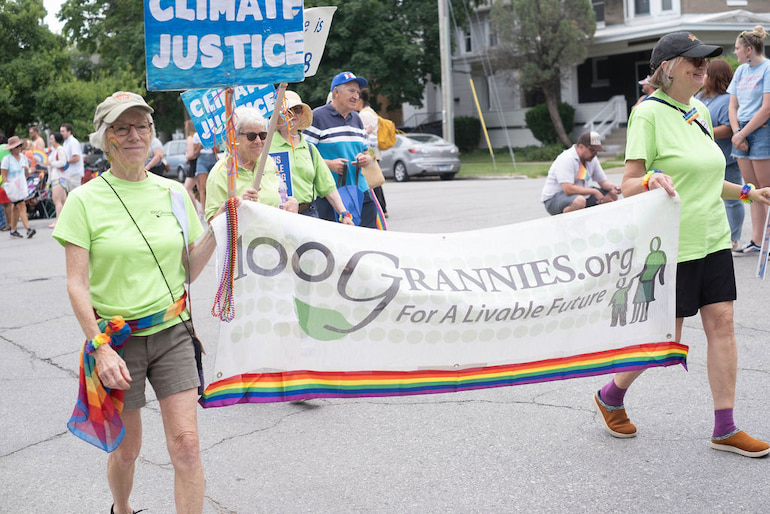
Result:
pixel 283 168
pixel 318 20
pixel 207 108
pixel 213 43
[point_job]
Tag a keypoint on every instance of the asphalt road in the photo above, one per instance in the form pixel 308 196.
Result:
pixel 532 448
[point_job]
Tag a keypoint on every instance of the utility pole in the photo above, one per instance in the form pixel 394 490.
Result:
pixel 447 101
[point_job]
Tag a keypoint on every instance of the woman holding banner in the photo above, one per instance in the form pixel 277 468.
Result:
pixel 128 254
pixel 250 134
pixel 671 146
pixel 310 176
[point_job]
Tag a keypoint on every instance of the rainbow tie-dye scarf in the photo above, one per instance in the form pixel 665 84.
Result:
pixel 96 418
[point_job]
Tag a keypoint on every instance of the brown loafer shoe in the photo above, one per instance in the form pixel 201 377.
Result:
pixel 615 420
pixel 741 443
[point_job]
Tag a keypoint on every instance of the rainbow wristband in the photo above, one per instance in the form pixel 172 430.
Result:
pixel 646 178
pixel 96 342
pixel 345 214
pixel 745 191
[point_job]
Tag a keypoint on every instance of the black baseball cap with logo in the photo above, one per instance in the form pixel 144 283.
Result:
pixel 682 44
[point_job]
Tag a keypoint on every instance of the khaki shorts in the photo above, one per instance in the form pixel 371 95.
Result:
pixel 167 358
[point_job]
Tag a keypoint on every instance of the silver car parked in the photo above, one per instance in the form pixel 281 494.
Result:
pixel 175 157
pixel 420 154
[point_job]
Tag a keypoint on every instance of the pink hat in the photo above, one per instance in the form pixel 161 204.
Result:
pixel 13 142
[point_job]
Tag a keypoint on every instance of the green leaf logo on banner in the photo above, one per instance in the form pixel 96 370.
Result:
pixel 316 322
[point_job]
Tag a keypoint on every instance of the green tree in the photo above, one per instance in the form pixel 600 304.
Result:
pixel 394 44
pixel 31 57
pixel 539 37
pixel 74 100
pixel 113 30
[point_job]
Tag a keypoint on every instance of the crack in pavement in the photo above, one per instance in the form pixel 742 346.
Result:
pixel 218 506
pixel 36 357
pixel 255 431
pixel 36 443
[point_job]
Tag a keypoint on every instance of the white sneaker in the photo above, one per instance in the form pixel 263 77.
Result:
pixel 748 248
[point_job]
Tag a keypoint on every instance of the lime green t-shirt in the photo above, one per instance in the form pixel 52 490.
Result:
pixel 216 185
pixel 124 278
pixel 306 172
pixel 660 135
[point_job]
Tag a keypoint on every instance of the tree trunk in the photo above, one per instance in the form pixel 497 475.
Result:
pixel 552 101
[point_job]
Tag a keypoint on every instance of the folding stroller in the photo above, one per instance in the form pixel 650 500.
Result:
pixel 39 202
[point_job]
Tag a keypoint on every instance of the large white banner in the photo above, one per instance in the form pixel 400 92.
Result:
pixel 327 310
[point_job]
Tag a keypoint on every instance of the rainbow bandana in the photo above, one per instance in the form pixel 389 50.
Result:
pixel 582 172
pixel 96 418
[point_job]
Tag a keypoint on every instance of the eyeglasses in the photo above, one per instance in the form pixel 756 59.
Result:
pixel 293 111
pixel 251 136
pixel 699 61
pixel 123 129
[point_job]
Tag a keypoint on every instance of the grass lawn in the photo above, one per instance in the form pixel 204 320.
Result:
pixel 479 164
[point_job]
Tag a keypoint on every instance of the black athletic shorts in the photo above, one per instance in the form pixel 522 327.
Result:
pixel 703 282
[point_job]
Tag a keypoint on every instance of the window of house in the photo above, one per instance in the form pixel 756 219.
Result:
pixel 503 82
pixel 666 5
pixel 598 6
pixel 533 97
pixel 492 38
pixel 600 72
pixel 468 38
pixel 641 7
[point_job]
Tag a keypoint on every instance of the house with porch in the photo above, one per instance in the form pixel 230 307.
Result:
pixel 604 87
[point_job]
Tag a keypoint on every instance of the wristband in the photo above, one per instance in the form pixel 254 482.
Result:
pixel 115 326
pixel 745 191
pixel 646 178
pixel 345 214
pixel 96 342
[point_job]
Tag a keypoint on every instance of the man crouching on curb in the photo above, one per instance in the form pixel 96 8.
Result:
pixel 565 188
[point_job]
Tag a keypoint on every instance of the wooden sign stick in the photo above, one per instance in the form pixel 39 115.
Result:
pixel 279 95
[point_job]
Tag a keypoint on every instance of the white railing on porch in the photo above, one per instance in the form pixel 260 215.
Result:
pixel 609 117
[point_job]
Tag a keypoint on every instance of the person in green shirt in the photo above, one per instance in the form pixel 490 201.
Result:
pixel 671 146
pixel 250 135
pixel 128 253
pixel 308 173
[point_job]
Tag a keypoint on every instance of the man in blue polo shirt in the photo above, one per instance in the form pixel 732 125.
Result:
pixel 339 134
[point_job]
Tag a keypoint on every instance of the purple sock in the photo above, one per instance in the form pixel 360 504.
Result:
pixel 723 422
pixel 612 394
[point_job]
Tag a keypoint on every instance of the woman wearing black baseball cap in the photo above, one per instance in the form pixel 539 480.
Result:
pixel 670 145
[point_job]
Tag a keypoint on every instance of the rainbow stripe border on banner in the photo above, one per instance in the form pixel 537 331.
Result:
pixel 296 385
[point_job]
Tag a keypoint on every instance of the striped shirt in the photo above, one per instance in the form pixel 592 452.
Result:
pixel 338 137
